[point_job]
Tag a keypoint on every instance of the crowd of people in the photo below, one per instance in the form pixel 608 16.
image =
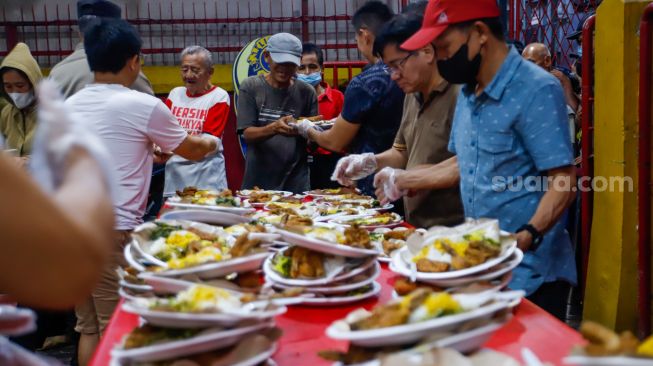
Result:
pixel 444 107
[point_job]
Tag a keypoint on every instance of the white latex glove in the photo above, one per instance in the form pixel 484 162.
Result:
pixel 386 186
pixel 218 144
pixel 354 167
pixel 304 126
pixel 58 132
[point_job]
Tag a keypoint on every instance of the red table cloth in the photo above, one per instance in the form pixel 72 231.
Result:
pixel 303 332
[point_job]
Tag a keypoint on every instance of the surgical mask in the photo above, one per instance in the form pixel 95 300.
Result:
pixel 22 100
pixel 458 69
pixel 579 50
pixel 314 79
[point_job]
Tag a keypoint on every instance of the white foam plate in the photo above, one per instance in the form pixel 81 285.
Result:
pixel 409 333
pixel 580 360
pixel 171 319
pixel 258 359
pixel 209 217
pixel 488 275
pixel 325 246
pixel 234 210
pixel 400 260
pixel 374 273
pixel 343 220
pixel 273 276
pixel 247 192
pixel 208 270
pixel 134 287
pixel 464 342
pixel 343 300
pixel 186 347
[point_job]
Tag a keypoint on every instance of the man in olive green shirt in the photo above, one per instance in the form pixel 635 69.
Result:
pixel 423 135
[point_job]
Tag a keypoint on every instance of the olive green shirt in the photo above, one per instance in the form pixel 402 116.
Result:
pixel 424 136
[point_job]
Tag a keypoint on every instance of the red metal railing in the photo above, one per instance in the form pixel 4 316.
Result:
pixel 644 173
pixel 167 26
pixel 548 22
pixel 587 140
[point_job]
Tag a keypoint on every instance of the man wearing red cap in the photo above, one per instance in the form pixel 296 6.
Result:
pixel 510 138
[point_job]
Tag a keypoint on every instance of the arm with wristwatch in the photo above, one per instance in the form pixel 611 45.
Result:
pixel 559 196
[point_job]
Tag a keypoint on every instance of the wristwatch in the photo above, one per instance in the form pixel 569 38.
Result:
pixel 536 235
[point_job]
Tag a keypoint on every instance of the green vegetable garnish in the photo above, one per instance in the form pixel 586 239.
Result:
pixel 163 230
pixel 226 201
pixel 281 264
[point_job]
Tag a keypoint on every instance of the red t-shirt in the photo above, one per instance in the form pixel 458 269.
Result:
pixel 330 103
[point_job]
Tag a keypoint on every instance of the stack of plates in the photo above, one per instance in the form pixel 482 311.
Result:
pixel 198 319
pixel 349 272
pixel 145 267
pixel 403 261
pixel 465 330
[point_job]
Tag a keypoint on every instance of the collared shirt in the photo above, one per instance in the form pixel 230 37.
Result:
pixel 329 103
pixel 512 133
pixel 424 135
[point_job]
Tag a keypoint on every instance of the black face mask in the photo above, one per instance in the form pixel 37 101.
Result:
pixel 458 69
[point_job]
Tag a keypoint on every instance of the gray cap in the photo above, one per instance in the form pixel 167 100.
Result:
pixel 284 47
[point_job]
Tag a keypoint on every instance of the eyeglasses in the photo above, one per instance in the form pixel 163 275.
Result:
pixel 399 66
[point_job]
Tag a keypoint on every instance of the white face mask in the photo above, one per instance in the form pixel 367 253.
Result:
pixel 22 100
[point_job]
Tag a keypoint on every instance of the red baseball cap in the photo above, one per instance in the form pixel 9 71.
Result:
pixel 440 14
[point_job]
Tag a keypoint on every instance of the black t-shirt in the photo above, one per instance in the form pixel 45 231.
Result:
pixel 373 100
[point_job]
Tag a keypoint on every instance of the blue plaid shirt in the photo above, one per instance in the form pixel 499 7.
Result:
pixel 515 129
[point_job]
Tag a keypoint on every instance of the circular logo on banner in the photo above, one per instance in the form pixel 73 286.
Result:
pixel 250 62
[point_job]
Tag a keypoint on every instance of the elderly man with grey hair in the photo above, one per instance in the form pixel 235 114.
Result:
pixel 200 108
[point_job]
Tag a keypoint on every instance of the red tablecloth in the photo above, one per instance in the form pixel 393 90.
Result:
pixel 303 332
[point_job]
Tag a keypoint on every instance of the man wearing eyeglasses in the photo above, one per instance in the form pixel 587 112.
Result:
pixel 373 104
pixel 423 136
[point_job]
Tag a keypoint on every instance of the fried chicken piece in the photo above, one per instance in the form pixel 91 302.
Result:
pixel 294 220
pixel 187 192
pixel 390 246
pixel 282 211
pixel 305 263
pixel 477 252
pixel 259 197
pixel 398 234
pixel 248 280
pixel 354 355
pixel 384 316
pixel 357 237
pixel 426 265
pixel 392 314
pixel 243 245
pixel 202 234
pixel 226 193
pixel 403 286
pixel 290 199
